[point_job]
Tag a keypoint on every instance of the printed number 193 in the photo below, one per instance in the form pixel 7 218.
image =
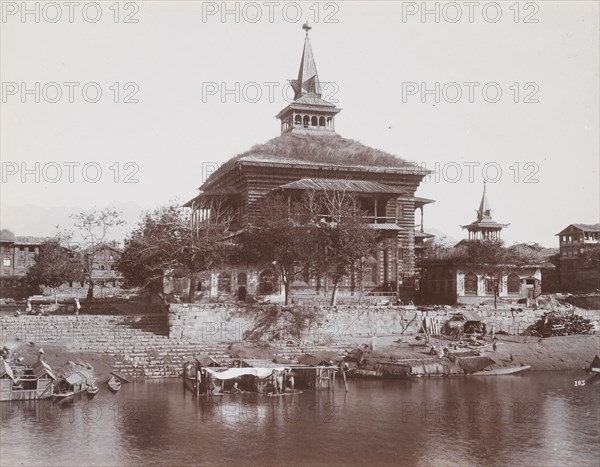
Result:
pixel 579 382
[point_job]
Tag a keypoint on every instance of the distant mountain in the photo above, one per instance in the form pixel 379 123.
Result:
pixel 441 236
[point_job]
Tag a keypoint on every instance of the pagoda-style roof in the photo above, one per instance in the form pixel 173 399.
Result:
pixel 310 102
pixel 350 186
pixel 322 151
pixel 484 221
pixel 484 225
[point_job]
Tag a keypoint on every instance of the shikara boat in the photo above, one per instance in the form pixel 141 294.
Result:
pixel 114 383
pixel 60 396
pixel 594 366
pixel 93 390
pixel 501 371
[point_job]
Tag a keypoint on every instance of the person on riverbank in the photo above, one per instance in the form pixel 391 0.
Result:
pixel 77 306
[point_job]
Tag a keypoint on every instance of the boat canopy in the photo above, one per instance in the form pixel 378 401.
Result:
pixel 5 369
pixel 231 373
pixel 41 368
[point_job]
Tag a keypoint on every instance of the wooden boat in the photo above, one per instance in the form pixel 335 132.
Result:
pixel 594 366
pixel 114 383
pixel 281 394
pixel 93 390
pixel 501 371
pixel 63 395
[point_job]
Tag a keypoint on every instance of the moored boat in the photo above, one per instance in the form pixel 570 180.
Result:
pixel 594 366
pixel 21 382
pixel 501 371
pixel 114 383
pixel 63 395
pixel 93 390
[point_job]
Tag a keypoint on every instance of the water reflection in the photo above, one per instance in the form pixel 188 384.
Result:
pixel 533 419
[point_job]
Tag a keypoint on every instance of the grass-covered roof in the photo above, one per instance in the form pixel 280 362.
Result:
pixel 318 149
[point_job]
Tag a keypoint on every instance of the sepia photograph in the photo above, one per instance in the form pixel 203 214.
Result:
pixel 300 233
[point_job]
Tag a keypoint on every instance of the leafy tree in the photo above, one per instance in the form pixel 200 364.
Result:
pixel 170 239
pixel 54 265
pixel 590 258
pixel 283 236
pixel 322 233
pixel 347 236
pixel 93 228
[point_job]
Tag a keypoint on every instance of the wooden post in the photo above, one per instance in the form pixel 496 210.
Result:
pixel 344 376
pixel 198 379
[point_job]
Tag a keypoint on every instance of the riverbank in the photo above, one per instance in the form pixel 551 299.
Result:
pixel 157 345
pixel 542 354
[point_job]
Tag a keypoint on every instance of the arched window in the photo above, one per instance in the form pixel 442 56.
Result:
pixel 329 122
pixel 267 282
pixel 322 121
pixel 224 282
pixel 470 284
pixel 314 121
pixel 514 283
pixel 306 121
pixel 298 120
pixel 242 279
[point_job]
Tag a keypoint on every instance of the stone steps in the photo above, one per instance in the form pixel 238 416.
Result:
pixel 134 345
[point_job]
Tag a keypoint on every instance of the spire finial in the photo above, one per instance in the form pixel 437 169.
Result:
pixel 306 27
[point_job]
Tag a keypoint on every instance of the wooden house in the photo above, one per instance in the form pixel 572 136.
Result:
pixel 309 156
pixel 579 260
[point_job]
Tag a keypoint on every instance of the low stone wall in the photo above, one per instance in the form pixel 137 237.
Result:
pixel 230 323
pixel 79 329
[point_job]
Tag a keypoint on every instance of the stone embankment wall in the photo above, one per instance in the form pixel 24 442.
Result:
pixel 157 345
pixel 228 323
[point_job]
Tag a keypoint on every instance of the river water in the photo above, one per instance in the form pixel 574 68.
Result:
pixel 549 418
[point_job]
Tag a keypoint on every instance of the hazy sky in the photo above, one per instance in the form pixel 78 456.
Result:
pixel 540 153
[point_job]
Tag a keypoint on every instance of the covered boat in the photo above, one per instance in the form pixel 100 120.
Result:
pixel 23 382
pixel 72 382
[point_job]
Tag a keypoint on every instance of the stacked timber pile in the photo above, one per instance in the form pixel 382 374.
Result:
pixel 556 323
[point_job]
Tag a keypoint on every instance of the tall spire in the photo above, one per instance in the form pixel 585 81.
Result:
pixel 308 79
pixel 309 113
pixel 484 227
pixel 484 211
